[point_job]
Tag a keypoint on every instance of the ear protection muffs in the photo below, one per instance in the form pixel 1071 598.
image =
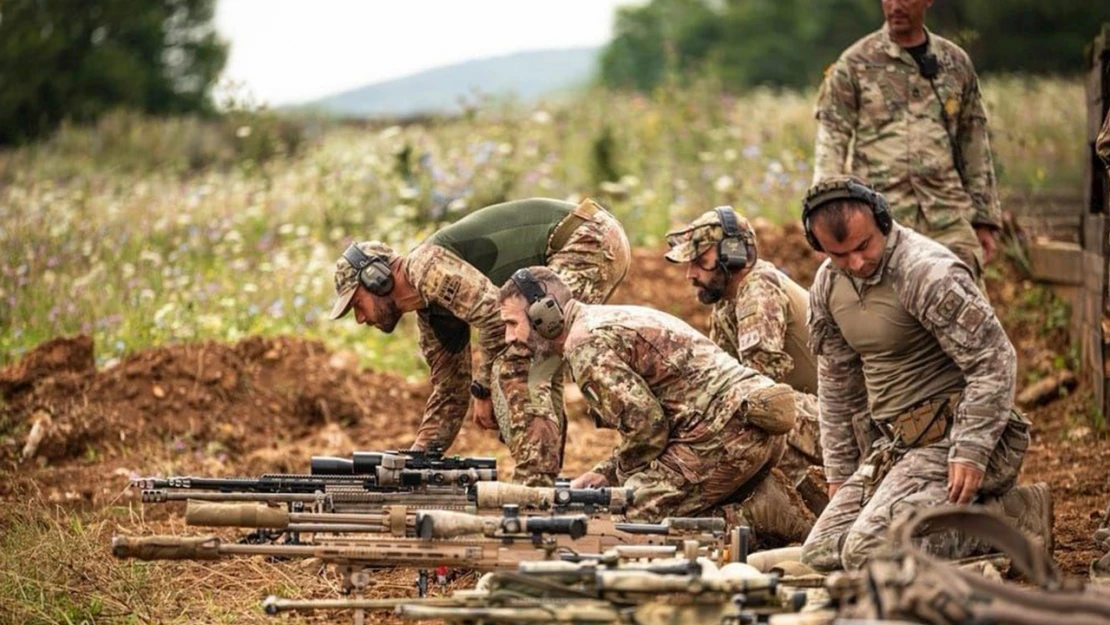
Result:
pixel 733 252
pixel 544 313
pixel 825 192
pixel 373 271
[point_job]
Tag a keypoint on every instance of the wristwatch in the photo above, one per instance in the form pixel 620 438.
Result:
pixel 478 390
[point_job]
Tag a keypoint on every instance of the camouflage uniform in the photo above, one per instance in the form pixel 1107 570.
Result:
pixel 593 261
pixel 685 409
pixel 875 94
pixel 763 325
pixel 917 331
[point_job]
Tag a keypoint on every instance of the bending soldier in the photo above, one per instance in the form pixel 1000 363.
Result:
pixel 449 281
pixel 901 108
pixel 758 317
pixel 698 429
pixel 902 334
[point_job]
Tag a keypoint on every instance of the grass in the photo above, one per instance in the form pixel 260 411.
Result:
pixel 143 232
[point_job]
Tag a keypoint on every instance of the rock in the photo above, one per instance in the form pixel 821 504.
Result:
pixel 42 424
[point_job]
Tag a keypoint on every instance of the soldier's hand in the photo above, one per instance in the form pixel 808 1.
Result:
pixel 590 479
pixel 963 482
pixel 483 413
pixel 988 241
pixel 833 487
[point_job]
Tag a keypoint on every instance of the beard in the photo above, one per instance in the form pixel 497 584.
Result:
pixel 389 317
pixel 714 290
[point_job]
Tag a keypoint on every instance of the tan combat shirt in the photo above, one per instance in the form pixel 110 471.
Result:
pixel 764 327
pixel 879 354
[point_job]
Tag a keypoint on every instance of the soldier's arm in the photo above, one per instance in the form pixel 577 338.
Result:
pixel 761 321
pixel 837 113
pixel 973 142
pixel 841 390
pixel 620 399
pixel 945 298
pixel 450 373
pixel 460 288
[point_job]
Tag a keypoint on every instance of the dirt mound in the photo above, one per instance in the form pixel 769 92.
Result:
pixel 203 404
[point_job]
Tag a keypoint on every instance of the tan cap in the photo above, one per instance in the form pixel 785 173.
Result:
pixel 346 276
pixel 693 239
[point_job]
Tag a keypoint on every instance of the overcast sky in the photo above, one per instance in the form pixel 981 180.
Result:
pixel 291 51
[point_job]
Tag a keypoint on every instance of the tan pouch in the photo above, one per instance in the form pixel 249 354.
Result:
pixel 771 409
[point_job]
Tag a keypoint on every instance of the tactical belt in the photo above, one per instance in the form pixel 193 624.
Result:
pixel 561 234
pixel 922 425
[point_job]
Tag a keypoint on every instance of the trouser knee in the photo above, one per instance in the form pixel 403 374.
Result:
pixel 822 554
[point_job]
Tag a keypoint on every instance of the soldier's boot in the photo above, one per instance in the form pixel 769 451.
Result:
pixel 1029 509
pixel 772 408
pixel 774 511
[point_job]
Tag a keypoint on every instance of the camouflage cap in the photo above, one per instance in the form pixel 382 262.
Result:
pixel 346 277
pixel 693 239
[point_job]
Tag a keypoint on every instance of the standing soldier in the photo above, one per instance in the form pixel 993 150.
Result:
pixel 451 280
pixel 698 429
pixel 902 334
pixel 758 317
pixel 910 101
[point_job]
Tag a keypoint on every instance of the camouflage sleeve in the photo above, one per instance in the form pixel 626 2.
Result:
pixel 447 405
pixel 841 390
pixel 458 286
pixel 973 141
pixel 761 328
pixel 1102 143
pixel 620 399
pixel 945 298
pixel 837 113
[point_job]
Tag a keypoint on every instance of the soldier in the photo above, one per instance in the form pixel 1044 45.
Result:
pixel 698 429
pixel 759 317
pixel 911 102
pixel 449 280
pixel 902 334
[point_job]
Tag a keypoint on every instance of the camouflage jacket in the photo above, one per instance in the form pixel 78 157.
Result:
pixel 764 327
pixel 904 132
pixel 457 296
pixel 657 381
pixel 937 290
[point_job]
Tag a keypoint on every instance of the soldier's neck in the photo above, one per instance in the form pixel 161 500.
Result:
pixel 910 38
pixel 404 295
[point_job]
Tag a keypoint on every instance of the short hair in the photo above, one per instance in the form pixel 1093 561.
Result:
pixel 548 280
pixel 834 216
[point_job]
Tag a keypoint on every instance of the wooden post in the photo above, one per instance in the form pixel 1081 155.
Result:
pixel 1091 322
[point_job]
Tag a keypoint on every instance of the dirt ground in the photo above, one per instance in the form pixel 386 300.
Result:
pixel 72 435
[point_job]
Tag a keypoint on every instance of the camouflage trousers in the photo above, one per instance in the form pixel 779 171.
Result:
pixel 688 479
pixel 854 525
pixel 528 399
pixel 803 443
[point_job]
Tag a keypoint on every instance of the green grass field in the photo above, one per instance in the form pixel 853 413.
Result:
pixel 143 232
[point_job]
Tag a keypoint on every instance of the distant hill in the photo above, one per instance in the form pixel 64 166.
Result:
pixel 527 75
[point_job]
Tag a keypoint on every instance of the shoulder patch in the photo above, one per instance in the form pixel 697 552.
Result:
pixel 449 289
pixel 970 318
pixel 747 309
pixel 747 340
pixel 950 304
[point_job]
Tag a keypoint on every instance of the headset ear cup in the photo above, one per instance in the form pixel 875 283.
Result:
pixel 546 317
pixel 377 278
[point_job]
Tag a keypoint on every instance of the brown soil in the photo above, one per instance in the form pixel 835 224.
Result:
pixel 266 405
